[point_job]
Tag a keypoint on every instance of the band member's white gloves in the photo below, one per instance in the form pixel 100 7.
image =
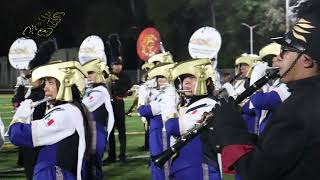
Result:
pixel 143 120
pixel 230 89
pixel 155 106
pixel 152 83
pixel 169 103
pixel 1 133
pixel 143 95
pixel 259 70
pixel 24 112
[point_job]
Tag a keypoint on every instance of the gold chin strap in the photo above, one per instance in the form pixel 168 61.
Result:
pixel 67 73
pixel 198 68
pixel 97 66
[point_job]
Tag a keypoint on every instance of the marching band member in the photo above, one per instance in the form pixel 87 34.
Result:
pixel 192 161
pixel 266 55
pixel 244 65
pixel 42 57
pixel 158 140
pixel 98 102
pixel 140 88
pixel 63 135
pixel 165 57
pixel 143 93
pixel 149 85
pixel 262 103
pixel 258 109
pixel 21 52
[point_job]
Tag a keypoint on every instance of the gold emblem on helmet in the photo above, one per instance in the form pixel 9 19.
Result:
pixel 300 28
pixel 199 68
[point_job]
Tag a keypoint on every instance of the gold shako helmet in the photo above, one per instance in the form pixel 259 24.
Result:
pixel 147 66
pixel 67 73
pixel 163 69
pixel 97 66
pixel 249 59
pixel 270 49
pixel 162 58
pixel 196 67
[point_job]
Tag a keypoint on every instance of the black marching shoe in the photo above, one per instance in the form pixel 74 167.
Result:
pixel 108 161
pixel 123 159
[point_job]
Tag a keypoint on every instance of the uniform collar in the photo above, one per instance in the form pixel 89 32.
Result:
pixel 302 84
pixel 195 98
pixel 99 84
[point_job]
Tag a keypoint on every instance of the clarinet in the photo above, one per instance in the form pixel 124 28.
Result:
pixel 160 159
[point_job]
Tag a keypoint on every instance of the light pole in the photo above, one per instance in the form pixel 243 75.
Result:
pixel 287 15
pixel 251 35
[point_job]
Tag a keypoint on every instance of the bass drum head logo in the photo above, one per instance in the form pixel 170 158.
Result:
pixel 205 43
pixel 148 43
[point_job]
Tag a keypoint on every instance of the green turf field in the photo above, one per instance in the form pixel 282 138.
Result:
pixel 135 168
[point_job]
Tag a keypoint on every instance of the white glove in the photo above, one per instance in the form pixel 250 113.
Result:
pixel 24 112
pixel 152 83
pixel 154 93
pixel 155 107
pixel 169 103
pixel 259 70
pixel 230 89
pixel 1 133
pixel 144 120
pixel 143 94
